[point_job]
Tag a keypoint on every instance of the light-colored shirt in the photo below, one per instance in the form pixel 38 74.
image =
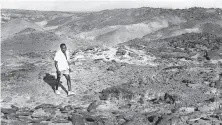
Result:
pixel 62 60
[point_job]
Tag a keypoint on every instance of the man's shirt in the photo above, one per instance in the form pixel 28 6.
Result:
pixel 62 60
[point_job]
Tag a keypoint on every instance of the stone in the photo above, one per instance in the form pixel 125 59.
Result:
pixel 187 110
pixel 3 122
pixel 8 111
pixel 39 123
pixel 194 86
pixel 25 109
pixel 7 99
pixel 168 98
pixel 2 114
pixel 206 83
pixel 111 68
pixel 209 107
pixel 213 90
pixel 98 60
pixel 38 120
pixel 105 121
pixel 68 109
pixel 14 107
pixel 44 106
pixel 212 84
pixel 23 113
pixel 60 120
pixel 89 118
pixel 18 123
pixel 213 99
pixel 77 119
pixel 11 116
pixel 38 113
pixel 121 121
pixel 120 52
pixel 93 106
pixel 25 119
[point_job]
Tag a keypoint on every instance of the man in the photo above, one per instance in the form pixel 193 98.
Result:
pixel 62 65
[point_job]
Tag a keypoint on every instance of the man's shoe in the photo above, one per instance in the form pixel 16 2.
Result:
pixel 57 92
pixel 70 93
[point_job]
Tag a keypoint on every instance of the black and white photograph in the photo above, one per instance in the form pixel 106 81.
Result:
pixel 111 62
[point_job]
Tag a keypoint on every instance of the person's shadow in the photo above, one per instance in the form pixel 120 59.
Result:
pixel 51 80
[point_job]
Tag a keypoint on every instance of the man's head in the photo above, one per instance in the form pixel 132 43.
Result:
pixel 63 47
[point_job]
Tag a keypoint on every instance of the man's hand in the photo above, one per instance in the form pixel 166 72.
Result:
pixel 70 70
pixel 58 72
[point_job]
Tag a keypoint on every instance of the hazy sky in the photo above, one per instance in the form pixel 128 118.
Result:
pixel 96 5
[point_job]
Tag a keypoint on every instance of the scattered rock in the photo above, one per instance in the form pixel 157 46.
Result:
pixel 15 108
pixel 18 123
pixel 38 120
pixel 3 122
pixel 213 90
pixel 68 109
pixel 194 86
pixel 209 107
pixel 26 119
pixel 23 113
pixel 45 106
pixel 120 52
pixel 7 99
pixel 90 118
pixel 218 84
pixel 117 93
pixel 39 123
pixel 212 84
pixel 121 121
pixel 105 121
pixel 206 83
pixel 213 99
pixel 131 54
pixel 127 106
pixel 77 119
pixel 11 116
pixel 187 110
pixel 2 114
pixel 25 109
pixel 60 120
pixel 111 68
pixel 98 60
pixel 92 107
pixel 40 113
pixel 8 111
pixel 168 98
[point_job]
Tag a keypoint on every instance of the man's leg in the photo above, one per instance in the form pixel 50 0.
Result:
pixel 68 81
pixel 57 80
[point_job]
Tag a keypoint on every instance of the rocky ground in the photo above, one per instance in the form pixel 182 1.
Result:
pixel 110 90
pixel 141 66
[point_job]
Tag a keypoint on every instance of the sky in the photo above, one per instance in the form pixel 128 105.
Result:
pixel 97 5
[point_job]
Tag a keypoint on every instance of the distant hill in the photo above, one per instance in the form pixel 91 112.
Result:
pixel 36 41
pixel 17 25
pixel 110 27
pixel 185 45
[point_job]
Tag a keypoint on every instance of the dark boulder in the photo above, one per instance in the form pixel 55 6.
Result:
pixel 93 106
pixel 77 119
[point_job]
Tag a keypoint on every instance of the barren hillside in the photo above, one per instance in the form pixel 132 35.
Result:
pixel 142 66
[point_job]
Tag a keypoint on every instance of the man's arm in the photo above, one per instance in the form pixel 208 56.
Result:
pixel 56 66
pixel 68 60
pixel 69 66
